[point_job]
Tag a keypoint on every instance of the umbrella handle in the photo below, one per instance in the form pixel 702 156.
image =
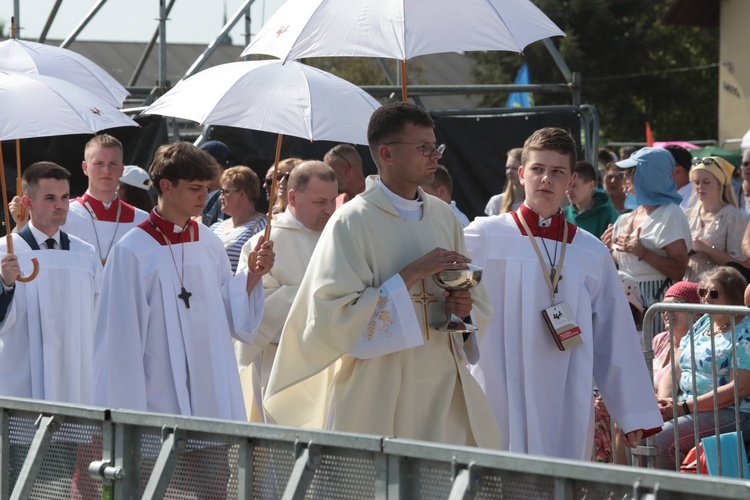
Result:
pixel 34 272
pixel 272 199
pixel 34 261
pixel 22 208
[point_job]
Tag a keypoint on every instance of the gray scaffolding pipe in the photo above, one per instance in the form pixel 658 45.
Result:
pixel 48 24
pixel 425 90
pixel 216 41
pixel 162 45
pixel 82 24
pixel 147 51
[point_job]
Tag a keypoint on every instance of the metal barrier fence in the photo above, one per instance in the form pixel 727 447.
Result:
pixel 696 309
pixel 64 451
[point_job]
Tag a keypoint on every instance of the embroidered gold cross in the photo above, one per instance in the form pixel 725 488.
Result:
pixel 424 298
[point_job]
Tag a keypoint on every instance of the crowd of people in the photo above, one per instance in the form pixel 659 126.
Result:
pixel 334 316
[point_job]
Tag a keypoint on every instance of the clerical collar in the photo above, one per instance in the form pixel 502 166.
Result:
pixel 159 227
pixel 290 216
pixel 41 238
pixel 409 210
pixel 115 211
pixel 549 228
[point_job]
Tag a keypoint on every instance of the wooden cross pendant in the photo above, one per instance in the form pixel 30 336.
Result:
pixel 185 296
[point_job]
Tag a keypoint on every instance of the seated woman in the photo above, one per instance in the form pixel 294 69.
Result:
pixel 716 224
pixel 682 292
pixel 721 286
pixel 240 190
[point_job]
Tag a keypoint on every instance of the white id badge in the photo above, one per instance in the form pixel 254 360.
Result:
pixel 562 325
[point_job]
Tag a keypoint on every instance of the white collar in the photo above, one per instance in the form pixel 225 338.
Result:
pixel 40 237
pixel 409 210
pixel 289 215
pixel 106 205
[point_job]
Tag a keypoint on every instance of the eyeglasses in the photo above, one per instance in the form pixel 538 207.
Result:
pixel 267 181
pixel 282 176
pixel 333 152
pixel 224 192
pixel 706 161
pixel 626 173
pixel 746 163
pixel 714 294
pixel 428 149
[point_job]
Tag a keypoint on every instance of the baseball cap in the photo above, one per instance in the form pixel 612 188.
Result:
pixel 133 175
pixel 219 151
pixel 657 158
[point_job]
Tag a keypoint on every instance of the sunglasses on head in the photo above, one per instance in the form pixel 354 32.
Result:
pixel 335 153
pixel 706 161
pixel 714 294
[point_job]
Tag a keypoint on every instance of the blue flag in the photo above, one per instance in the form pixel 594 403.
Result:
pixel 521 99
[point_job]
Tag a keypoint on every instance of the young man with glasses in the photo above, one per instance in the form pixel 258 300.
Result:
pixel 346 162
pixel 358 352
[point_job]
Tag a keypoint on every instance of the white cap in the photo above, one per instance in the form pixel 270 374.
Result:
pixel 134 175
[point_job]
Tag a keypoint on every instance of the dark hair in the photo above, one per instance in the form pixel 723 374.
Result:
pixel 585 171
pixel 181 161
pixel 443 178
pixel 606 156
pixel 550 139
pixel 139 198
pixel 682 156
pixel 42 170
pixel 390 120
pixel 302 173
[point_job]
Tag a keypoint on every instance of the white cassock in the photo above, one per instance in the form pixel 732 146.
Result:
pixel 47 335
pixel 97 231
pixel 153 353
pixel 357 352
pixel 293 245
pixel 542 397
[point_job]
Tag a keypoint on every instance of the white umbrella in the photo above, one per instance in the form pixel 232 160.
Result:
pixel 34 58
pixel 41 106
pixel 290 99
pixel 287 99
pixel 399 29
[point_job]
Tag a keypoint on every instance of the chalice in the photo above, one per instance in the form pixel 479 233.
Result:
pixel 457 279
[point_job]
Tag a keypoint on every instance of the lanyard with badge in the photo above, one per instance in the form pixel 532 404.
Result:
pixel 558 317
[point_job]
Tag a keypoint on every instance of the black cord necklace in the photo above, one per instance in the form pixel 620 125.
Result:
pixel 552 260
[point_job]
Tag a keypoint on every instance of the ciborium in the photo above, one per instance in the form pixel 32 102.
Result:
pixel 457 279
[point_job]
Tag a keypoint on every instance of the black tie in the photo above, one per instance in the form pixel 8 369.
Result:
pixel 50 242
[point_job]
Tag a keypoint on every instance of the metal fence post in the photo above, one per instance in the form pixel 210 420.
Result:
pixel 127 455
pixel 245 470
pixel 4 454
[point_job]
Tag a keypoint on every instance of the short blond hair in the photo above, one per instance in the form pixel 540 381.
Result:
pixel 102 141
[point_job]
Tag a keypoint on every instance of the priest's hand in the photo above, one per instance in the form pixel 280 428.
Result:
pixel 18 212
pixel 431 263
pixel 458 302
pixel 11 270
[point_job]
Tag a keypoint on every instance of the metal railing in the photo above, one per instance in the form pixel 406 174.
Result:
pixel 64 451
pixel 697 309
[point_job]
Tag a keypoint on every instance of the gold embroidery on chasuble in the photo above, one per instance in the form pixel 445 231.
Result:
pixel 381 321
pixel 424 299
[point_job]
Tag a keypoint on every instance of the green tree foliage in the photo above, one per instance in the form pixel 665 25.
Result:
pixel 633 68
